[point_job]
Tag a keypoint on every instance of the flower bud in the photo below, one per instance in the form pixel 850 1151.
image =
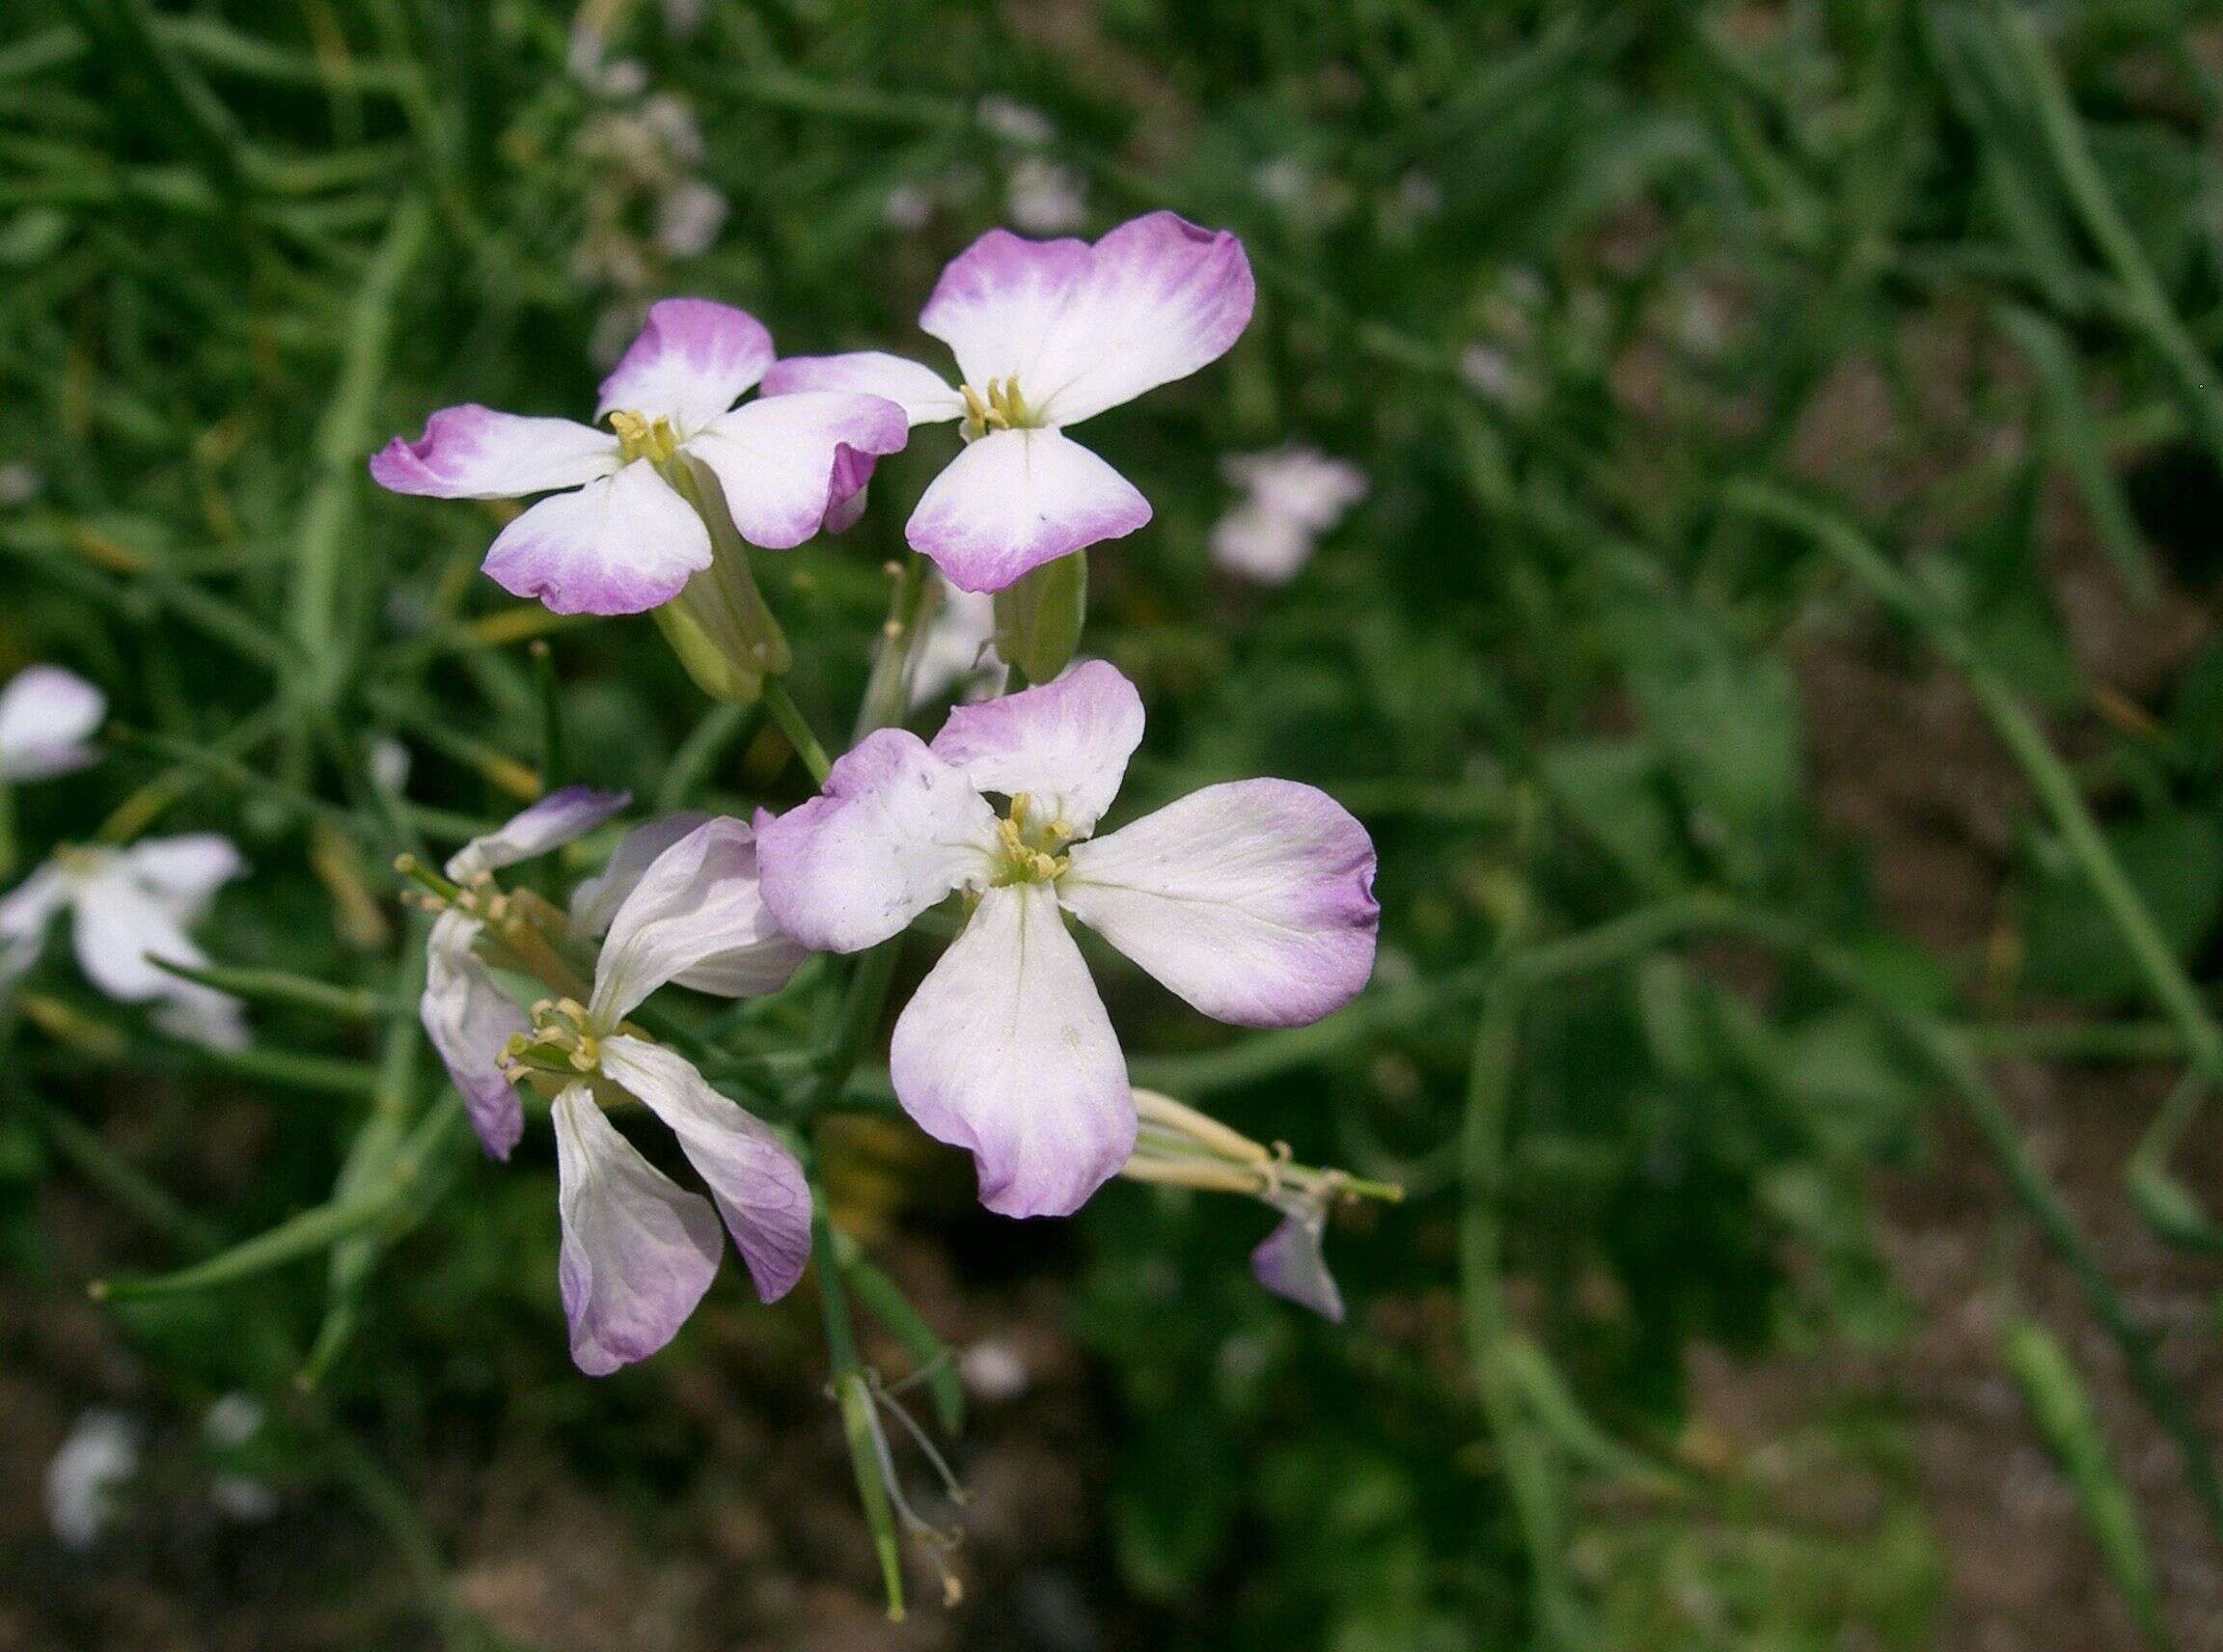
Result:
pixel 718 624
pixel 1039 616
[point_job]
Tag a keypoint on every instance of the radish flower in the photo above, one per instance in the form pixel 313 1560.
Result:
pixel 1293 497
pixel 46 714
pixel 1252 901
pixel 618 534
pixel 1046 334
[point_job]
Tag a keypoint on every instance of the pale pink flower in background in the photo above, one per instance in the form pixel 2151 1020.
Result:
pixel 1046 199
pixel 1292 497
pixel 614 536
pixel 1046 334
pixel 46 716
pixel 1252 901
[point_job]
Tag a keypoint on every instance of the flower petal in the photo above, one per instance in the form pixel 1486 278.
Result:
pixel 1088 327
pixel 45 714
pixel 1288 1262
pixel 756 1181
pixel 894 831
pixel 774 458
pixel 555 820
pixel 202 1015
pixel 25 911
pixel 697 914
pixel 469 1018
pixel 621 545
pixel 1065 744
pixel 595 901
pixel 1016 499
pixel 186 871
pixel 846 490
pixel 693 360
pixel 923 395
pixel 118 925
pixel 1253 900
pixel 1005 1049
pixel 638 1251
pixel 474 453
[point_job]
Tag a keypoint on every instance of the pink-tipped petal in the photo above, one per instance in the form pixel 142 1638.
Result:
pixel 693 360
pixel 45 716
pixel 1016 499
pixel 847 488
pixel 561 818
pixel 923 394
pixel 1083 328
pixel 1005 1049
pixel 1253 900
pixel 775 458
pixel 696 916
pixel 756 1181
pixel 469 1019
pixel 639 1252
pixel 1065 744
pixel 894 831
pixel 474 453
pixel 1289 1262
pixel 620 545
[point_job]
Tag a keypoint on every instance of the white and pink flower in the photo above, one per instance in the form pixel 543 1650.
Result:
pixel 1046 334
pixel 1291 498
pixel 1252 901
pixel 47 717
pixel 615 536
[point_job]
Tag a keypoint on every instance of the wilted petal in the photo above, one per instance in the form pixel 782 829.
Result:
pixel 45 715
pixel 1016 499
pixel 186 872
pixel 774 458
pixel 1253 900
pixel 756 1181
pixel 595 901
pixel 696 915
pixel 1288 1262
pixel 620 545
pixel 847 489
pixel 556 819
pixel 923 394
pixel 638 1251
pixel 1065 744
pixel 894 831
pixel 693 360
pixel 25 911
pixel 1005 1049
pixel 474 453
pixel 119 927
pixel 469 1018
pixel 1085 328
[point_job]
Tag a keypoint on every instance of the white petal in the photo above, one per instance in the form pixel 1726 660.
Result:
pixel 186 871
pixel 1261 545
pixel 1253 900
pixel 624 544
pixel 595 901
pixel 1065 744
pixel 45 715
pixel 1005 1049
pixel 203 1016
pixel 756 1181
pixel 895 830
pixel 638 1251
pixel 474 453
pixel 469 1018
pixel 556 819
pixel 1016 499
pixel 693 360
pixel 775 459
pixel 118 925
pixel 698 911
pixel 923 395
pixel 25 911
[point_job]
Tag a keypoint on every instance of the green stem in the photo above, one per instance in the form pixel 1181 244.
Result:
pixel 853 1393
pixel 889 692
pixel 797 728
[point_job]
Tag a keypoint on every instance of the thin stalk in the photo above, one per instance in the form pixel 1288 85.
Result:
pixel 853 1395
pixel 797 728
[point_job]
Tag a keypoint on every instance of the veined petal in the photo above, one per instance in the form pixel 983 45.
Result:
pixel 1289 1262
pixel 469 1019
pixel 1065 744
pixel 45 715
pixel 923 395
pixel 693 360
pixel 894 831
pixel 696 913
pixel 118 924
pixel 774 458
pixel 595 901
pixel 186 871
pixel 756 1181
pixel 555 820
pixel 474 453
pixel 1005 1049
pixel 1253 900
pixel 638 1251
pixel 1088 327
pixel 1016 499
pixel 620 545
pixel 25 911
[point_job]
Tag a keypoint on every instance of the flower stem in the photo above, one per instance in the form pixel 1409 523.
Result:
pixel 797 728
pixel 853 1393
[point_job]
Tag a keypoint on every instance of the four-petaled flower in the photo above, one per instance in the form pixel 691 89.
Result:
pixel 1046 334
pixel 625 540
pixel 45 714
pixel 1252 900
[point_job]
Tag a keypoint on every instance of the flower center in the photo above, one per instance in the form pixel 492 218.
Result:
pixel 1029 851
pixel 640 437
pixel 560 1044
pixel 1001 409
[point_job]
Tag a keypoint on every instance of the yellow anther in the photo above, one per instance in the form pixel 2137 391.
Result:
pixel 1021 803
pixel 640 437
